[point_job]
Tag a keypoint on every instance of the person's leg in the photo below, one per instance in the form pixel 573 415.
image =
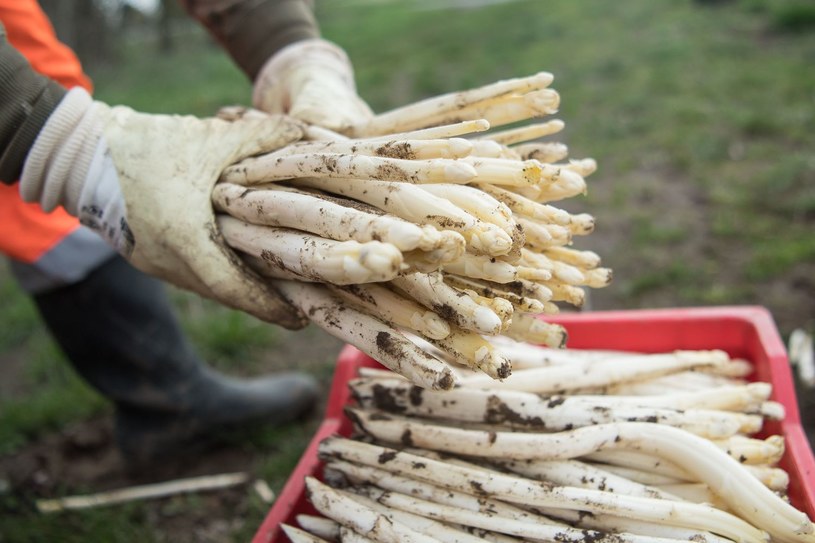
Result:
pixel 117 328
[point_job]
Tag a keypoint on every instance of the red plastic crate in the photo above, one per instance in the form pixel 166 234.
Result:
pixel 746 332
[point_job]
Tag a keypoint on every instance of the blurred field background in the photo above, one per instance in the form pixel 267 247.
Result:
pixel 701 116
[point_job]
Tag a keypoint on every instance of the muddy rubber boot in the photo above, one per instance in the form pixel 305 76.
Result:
pixel 119 332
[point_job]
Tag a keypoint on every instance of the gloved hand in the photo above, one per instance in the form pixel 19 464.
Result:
pixel 311 80
pixel 144 183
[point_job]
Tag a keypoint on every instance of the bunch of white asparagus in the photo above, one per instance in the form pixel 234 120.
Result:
pixel 576 446
pixel 405 232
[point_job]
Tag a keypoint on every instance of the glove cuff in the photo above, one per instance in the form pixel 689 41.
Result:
pixel 57 164
pixel 273 74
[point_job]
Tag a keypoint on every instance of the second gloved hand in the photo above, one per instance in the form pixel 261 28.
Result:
pixel 144 183
pixel 311 80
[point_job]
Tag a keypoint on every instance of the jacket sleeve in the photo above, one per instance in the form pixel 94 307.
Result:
pixel 27 99
pixel 251 31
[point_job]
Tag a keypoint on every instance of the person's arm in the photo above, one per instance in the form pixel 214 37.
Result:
pixel 27 99
pixel 277 44
pixel 142 182
pixel 251 31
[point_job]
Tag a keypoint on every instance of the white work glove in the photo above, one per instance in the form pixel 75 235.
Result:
pixel 144 183
pixel 311 80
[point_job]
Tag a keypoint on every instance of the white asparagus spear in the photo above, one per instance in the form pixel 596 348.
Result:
pixel 638 476
pixel 597 278
pixel 491 149
pixel 482 267
pixel 563 183
pixel 143 492
pixel 586 260
pixel 505 109
pixel 476 503
pixel 500 306
pixel 390 307
pixel 368 334
pixel 350 536
pixel 526 207
pixel 524 491
pixel 416 205
pixel 339 262
pixel 556 379
pixel 771 477
pixel 641 461
pixel 412 149
pixel 319 526
pixel 695 492
pixel 562 292
pixel 512 173
pixel 522 288
pixel 584 166
pixel 542 152
pixel 774 478
pixel 542 236
pixel 535 530
pixel 437 132
pixel 743 493
pixel 519 303
pixel 328 217
pixel 581 224
pixel 724 365
pixel 525 355
pixel 267 168
pixel 583 475
pixel 473 351
pixel 561 271
pixel 526 133
pixel 427 112
pixel 297 535
pixel 483 207
pixel 419 523
pixel 430 291
pixel 486 535
pixel 340 507
pixel 685 381
pixel 736 367
pixel 611 523
pixel 746 398
pixel 534 330
pixel 476 202
pixel 753 451
pixel 512 409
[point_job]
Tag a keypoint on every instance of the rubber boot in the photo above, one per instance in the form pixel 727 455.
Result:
pixel 119 332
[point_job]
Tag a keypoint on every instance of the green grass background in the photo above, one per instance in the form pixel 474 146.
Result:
pixel 700 115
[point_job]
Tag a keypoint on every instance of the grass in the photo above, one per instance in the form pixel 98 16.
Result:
pixel 701 118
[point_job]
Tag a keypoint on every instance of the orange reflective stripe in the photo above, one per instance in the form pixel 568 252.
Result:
pixel 30 31
pixel 27 232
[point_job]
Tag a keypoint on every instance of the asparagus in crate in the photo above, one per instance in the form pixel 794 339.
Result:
pixel 447 215
pixel 673 465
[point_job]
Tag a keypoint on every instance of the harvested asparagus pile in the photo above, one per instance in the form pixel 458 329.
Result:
pixel 626 456
pixel 420 229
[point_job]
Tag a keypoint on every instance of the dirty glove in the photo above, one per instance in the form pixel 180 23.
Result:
pixel 144 183
pixel 311 80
